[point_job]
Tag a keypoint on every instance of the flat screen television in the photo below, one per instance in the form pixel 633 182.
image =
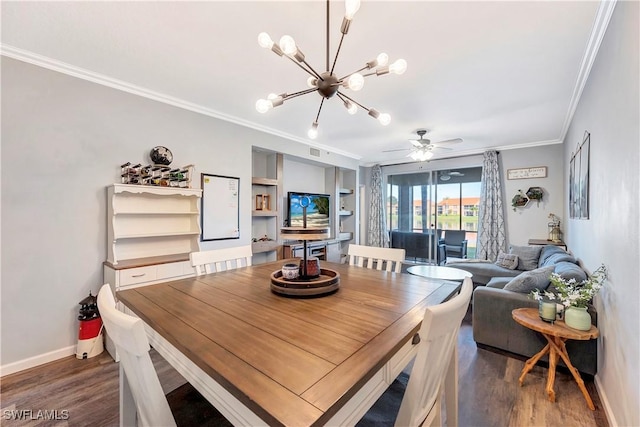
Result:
pixel 318 211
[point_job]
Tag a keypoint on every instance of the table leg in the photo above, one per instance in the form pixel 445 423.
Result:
pixel 532 362
pixel 551 376
pixel 562 351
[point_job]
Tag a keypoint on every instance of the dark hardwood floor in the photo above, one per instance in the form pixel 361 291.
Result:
pixel 489 391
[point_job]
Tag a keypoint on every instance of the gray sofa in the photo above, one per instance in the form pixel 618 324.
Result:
pixel 493 325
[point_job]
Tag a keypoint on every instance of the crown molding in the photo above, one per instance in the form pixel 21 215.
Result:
pixel 600 24
pixel 101 79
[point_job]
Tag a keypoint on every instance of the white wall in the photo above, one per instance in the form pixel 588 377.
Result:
pixel 531 221
pixel 609 110
pixel 63 140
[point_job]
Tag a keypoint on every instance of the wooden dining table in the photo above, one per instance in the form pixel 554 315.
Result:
pixel 266 359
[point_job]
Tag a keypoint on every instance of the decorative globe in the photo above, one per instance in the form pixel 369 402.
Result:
pixel 161 155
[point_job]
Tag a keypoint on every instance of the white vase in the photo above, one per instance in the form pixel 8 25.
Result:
pixel 577 318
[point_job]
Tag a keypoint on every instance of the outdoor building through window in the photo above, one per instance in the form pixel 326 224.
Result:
pixel 441 200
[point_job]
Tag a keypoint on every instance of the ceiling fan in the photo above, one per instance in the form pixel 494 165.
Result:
pixel 446 175
pixel 422 147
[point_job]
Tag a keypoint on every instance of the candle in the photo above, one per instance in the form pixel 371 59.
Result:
pixel 547 311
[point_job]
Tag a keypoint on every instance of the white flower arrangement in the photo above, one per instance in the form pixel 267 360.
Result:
pixel 570 293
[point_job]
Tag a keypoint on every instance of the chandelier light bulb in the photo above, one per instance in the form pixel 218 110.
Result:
pixel 312 82
pixel 384 119
pixel 351 107
pixel 382 59
pixel 351 7
pixel 265 41
pixel 313 132
pixel 263 105
pixel 288 45
pixel 398 67
pixel 355 82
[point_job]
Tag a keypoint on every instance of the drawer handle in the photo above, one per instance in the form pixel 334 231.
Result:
pixel 416 339
pixel 138 275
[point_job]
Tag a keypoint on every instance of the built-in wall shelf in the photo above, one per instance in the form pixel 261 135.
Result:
pixel 266 196
pixel 345 213
pixel 346 191
pixel 264 213
pixel 345 236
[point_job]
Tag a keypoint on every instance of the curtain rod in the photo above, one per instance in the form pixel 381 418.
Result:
pixel 441 158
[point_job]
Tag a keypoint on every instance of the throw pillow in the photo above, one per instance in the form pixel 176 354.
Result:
pixel 530 280
pixel 527 256
pixel 509 261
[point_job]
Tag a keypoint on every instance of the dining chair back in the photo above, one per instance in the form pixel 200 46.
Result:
pixel 206 262
pixel 130 339
pixel 421 403
pixel 388 259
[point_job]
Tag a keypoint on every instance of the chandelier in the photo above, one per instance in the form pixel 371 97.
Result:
pixel 326 83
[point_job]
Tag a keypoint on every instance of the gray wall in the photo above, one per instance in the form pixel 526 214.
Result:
pixel 609 110
pixel 63 140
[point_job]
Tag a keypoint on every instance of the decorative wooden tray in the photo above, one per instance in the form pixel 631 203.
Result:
pixel 327 283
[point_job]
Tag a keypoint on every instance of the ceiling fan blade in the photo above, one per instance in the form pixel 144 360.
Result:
pixel 416 143
pixel 451 141
pixel 397 149
pixel 436 146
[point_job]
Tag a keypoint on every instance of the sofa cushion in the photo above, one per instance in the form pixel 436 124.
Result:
pixel 482 270
pixel 527 256
pixel 556 252
pixel 568 271
pixel 509 261
pixel 530 280
pixel 498 282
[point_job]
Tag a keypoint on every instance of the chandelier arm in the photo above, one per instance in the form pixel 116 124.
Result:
pixel 319 109
pixel 373 73
pixel 310 72
pixel 337 53
pixel 341 95
pixel 327 55
pixel 300 93
pixel 356 71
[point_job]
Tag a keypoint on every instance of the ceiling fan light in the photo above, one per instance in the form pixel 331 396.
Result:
pixel 313 132
pixel 398 67
pixel 427 155
pixel 355 82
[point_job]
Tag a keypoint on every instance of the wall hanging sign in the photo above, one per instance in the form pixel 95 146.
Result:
pixel 525 173
pixel 579 180
pixel 220 207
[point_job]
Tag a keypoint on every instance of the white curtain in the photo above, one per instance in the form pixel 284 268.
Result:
pixel 491 231
pixel 378 235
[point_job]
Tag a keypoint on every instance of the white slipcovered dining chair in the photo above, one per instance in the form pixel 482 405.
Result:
pixel 421 403
pixel 388 259
pixel 130 339
pixel 206 262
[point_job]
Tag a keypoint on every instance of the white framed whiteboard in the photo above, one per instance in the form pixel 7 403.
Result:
pixel 220 218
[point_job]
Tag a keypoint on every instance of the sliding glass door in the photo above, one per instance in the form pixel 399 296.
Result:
pixel 433 202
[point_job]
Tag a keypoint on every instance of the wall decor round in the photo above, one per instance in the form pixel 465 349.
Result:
pixel 161 155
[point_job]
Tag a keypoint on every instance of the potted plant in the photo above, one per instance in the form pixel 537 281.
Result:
pixel 535 193
pixel 574 296
pixel 519 200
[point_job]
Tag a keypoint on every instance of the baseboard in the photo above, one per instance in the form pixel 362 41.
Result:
pixel 21 365
pixel 605 403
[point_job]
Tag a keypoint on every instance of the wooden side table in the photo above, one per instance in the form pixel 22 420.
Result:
pixel 556 334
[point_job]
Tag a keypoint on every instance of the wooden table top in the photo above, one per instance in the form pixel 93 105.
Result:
pixel 291 361
pixel 529 318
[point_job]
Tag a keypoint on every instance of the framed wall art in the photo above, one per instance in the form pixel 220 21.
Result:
pixel 220 207
pixel 579 180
